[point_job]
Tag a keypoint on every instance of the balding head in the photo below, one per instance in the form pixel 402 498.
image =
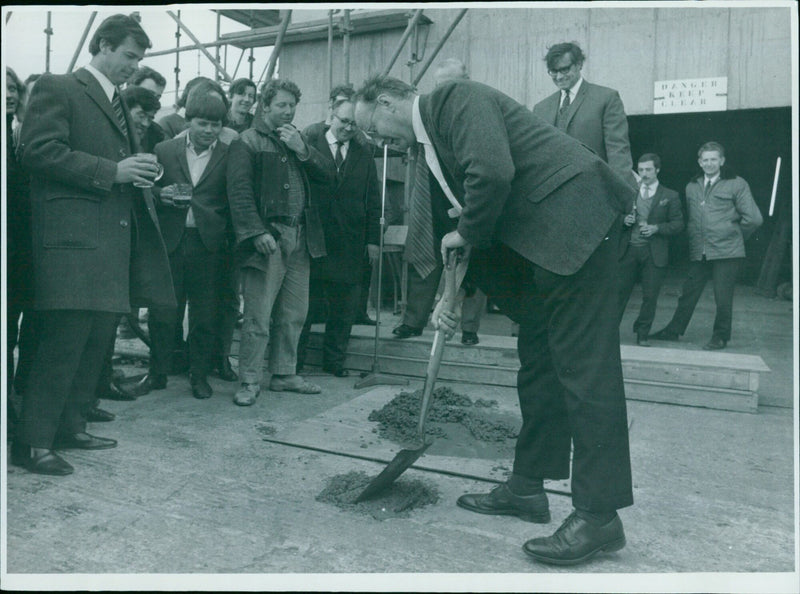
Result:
pixel 450 69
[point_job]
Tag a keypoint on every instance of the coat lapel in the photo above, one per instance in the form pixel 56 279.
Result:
pixel 216 157
pixel 180 154
pixel 95 92
pixel 575 105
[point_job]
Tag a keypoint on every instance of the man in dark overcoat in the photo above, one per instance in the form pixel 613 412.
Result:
pixel 97 248
pixel 350 210
pixel 542 217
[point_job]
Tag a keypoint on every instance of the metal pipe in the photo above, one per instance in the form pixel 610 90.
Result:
pixel 346 46
pixel 330 49
pixel 237 63
pixel 273 58
pixel 48 32
pixel 216 49
pixel 81 42
pixel 438 47
pixel 199 46
pixel 411 24
pixel 185 48
pixel 177 69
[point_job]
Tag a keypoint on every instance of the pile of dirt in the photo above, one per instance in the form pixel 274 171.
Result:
pixel 399 418
pixel 396 501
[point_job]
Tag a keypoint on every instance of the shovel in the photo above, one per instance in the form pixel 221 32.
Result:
pixel 406 457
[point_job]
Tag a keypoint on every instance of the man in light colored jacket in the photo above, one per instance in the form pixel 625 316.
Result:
pixel 722 215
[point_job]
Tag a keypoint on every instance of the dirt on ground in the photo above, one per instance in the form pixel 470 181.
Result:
pixel 399 418
pixel 396 501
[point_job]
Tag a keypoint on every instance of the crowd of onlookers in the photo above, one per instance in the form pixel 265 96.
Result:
pixel 257 224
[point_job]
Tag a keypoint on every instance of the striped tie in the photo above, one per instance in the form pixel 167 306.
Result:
pixel 561 118
pixel 420 250
pixel 116 103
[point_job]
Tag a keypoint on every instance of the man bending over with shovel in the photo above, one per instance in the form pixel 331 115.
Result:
pixel 541 217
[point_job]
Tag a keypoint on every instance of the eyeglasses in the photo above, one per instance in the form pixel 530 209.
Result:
pixel 346 123
pixel 563 71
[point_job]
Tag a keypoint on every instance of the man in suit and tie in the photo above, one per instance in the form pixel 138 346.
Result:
pixel 591 113
pixel 350 210
pixel 656 216
pixel 542 216
pixel 196 232
pixel 97 248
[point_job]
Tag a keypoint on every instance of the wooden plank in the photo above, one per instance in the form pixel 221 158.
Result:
pixel 696 376
pixel 696 358
pixel 689 396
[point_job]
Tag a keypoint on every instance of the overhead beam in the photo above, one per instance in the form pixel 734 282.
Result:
pixel 276 51
pixel 81 42
pixel 199 45
pixel 438 47
pixel 406 34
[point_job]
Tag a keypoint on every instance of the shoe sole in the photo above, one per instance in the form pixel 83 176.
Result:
pixel 244 402
pixel 542 518
pixel 78 447
pixel 610 547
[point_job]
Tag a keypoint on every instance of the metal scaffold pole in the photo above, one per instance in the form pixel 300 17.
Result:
pixel 81 42
pixel 48 32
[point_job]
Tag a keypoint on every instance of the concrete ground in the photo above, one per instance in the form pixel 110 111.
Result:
pixel 194 489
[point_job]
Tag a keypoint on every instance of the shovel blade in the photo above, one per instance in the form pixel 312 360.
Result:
pixel 402 461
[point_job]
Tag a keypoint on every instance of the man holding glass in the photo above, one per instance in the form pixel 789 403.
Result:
pixel 195 221
pixel 89 265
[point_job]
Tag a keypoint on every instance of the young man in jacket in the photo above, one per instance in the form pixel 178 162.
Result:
pixel 269 167
pixel 722 215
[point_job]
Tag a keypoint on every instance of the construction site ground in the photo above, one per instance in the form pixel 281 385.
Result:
pixel 194 489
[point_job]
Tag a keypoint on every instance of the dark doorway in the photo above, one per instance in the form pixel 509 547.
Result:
pixel 753 140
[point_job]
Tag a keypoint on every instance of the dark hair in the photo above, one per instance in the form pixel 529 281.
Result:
pixel 346 90
pixel 650 157
pixel 181 102
pixel 144 73
pixel 134 96
pixel 116 29
pixel 711 146
pixel 239 86
pixel 555 52
pixel 205 106
pixel 271 88
pixel 377 85
pixel 204 87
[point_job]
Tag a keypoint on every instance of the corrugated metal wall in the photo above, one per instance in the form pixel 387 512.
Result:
pixel 627 49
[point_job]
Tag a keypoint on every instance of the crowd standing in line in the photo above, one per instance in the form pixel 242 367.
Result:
pixel 110 211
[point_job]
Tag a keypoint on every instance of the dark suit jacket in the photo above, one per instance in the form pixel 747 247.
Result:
pixel 349 207
pixel 209 196
pixel 96 244
pixel 521 181
pixel 665 212
pixel 597 118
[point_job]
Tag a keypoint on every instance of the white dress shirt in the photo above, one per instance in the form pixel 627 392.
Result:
pixel 431 160
pixel 197 165
pixel 109 88
pixel 333 144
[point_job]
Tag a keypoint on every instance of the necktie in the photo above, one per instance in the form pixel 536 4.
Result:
pixel 708 186
pixel 420 249
pixel 561 118
pixel 339 158
pixel 116 103
pixel 645 191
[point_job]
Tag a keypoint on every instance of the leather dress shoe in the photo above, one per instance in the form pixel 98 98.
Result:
pixel 364 321
pixel 336 370
pixel 46 463
pixel 715 344
pixel 641 340
pixel 83 441
pixel 98 415
pixel 200 387
pixel 150 382
pixel 405 331
pixel 225 372
pixel 500 501
pixel 469 338
pixel 116 392
pixel 576 541
pixel 666 334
